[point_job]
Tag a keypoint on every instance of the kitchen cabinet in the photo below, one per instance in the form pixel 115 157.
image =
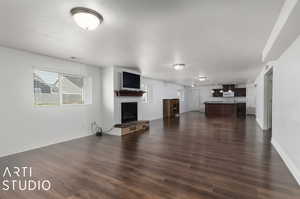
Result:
pixel 227 87
pixel 225 109
pixel 240 92
pixel 217 93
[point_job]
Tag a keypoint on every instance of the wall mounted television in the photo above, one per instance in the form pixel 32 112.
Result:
pixel 130 81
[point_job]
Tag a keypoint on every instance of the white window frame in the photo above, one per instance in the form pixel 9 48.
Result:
pixel 60 76
pixel 145 87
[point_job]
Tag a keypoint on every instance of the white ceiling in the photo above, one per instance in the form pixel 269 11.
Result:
pixel 219 39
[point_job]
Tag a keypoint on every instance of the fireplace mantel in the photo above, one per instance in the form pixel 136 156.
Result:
pixel 129 93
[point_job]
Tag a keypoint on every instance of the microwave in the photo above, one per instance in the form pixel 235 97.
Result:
pixel 228 94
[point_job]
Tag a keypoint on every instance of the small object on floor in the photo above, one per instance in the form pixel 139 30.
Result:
pixel 99 134
pixel 99 131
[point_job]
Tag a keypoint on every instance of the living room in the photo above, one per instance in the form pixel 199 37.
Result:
pixel 149 99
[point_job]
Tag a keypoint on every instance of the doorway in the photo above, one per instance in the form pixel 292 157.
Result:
pixel 268 82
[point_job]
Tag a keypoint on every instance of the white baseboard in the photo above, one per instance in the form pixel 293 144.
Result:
pixel 260 125
pixel 115 131
pixel 289 163
pixel 43 145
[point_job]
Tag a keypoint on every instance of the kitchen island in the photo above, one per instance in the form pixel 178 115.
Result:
pixel 225 109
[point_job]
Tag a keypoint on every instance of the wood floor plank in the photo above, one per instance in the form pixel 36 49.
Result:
pixel 188 158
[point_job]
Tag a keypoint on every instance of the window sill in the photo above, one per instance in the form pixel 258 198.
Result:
pixel 60 106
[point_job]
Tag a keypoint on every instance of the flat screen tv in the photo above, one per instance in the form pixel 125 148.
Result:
pixel 131 81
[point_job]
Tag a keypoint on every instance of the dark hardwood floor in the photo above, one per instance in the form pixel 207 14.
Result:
pixel 190 158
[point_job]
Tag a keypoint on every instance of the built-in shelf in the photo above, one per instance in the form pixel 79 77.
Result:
pixel 129 93
pixel 171 108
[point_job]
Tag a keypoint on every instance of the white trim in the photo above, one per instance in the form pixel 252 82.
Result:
pixel 260 124
pixel 267 86
pixel 285 12
pixel 60 78
pixel 41 146
pixel 115 131
pixel 145 88
pixel 288 162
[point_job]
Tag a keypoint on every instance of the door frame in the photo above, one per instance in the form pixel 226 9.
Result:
pixel 268 98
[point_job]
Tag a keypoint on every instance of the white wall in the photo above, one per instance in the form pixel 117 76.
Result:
pixel 251 98
pixel 24 126
pixel 260 100
pixel 108 97
pixel 197 96
pixel 286 107
pixel 160 90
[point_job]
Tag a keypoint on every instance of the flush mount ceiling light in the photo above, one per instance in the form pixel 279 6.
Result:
pixel 179 66
pixel 86 18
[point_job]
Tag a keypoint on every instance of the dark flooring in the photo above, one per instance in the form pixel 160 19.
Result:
pixel 188 158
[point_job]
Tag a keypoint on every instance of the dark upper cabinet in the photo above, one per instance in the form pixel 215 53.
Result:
pixel 217 93
pixel 228 87
pixel 240 92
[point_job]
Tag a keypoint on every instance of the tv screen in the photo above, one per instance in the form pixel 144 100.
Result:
pixel 131 81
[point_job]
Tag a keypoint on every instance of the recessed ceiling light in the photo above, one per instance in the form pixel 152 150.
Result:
pixel 179 66
pixel 86 18
pixel 201 79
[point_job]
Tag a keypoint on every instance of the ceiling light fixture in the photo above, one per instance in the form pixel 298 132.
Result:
pixel 179 66
pixel 86 18
pixel 201 79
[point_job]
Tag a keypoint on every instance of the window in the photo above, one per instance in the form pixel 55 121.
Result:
pixel 180 95
pixel 145 97
pixel 51 88
pixel 72 89
pixel 46 88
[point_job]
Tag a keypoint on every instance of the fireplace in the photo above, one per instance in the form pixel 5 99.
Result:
pixel 129 111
